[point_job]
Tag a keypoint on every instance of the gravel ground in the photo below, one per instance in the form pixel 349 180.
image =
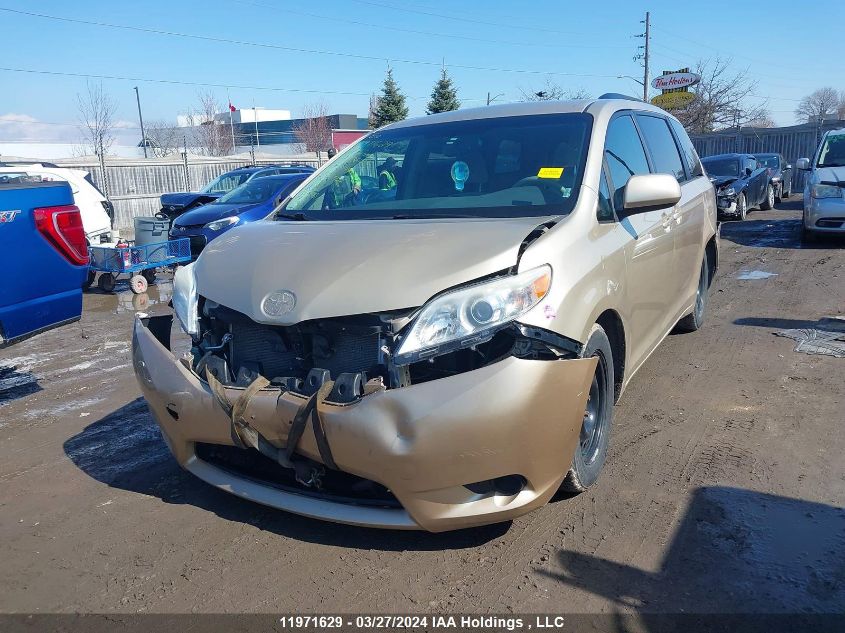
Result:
pixel 724 489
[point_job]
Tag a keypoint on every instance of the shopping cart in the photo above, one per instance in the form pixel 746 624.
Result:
pixel 139 262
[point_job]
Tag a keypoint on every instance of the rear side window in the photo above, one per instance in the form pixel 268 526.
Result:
pixel 664 152
pixel 624 155
pixel 688 150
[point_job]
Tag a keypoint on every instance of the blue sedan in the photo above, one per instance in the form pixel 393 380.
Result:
pixel 251 201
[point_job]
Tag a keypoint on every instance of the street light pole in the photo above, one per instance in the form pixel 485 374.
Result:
pixel 492 99
pixel 141 118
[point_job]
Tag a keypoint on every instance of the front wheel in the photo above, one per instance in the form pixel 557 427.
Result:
pixel 786 189
pixel 695 320
pixel 769 200
pixel 591 452
pixel 741 207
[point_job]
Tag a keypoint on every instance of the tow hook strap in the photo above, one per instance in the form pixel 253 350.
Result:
pixel 244 436
pixel 297 427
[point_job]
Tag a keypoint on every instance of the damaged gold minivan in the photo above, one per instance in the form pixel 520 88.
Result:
pixel 431 332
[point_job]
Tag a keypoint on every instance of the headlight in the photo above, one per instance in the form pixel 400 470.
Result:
pixel 730 191
pixel 185 299
pixel 826 191
pixel 470 315
pixel 222 223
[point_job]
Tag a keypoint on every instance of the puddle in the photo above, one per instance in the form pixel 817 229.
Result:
pixel 754 274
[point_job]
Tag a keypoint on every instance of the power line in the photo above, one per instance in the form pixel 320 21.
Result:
pixel 460 19
pixel 418 32
pixel 293 49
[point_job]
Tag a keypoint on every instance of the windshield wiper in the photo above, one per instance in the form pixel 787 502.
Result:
pixel 299 217
pixel 430 216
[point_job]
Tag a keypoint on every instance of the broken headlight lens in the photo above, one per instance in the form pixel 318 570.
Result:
pixel 730 191
pixel 471 315
pixel 826 191
pixel 185 299
pixel 222 223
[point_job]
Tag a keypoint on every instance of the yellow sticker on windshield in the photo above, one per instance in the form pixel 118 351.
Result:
pixel 550 172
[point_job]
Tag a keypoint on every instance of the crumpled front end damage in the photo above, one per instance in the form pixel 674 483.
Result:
pixel 473 438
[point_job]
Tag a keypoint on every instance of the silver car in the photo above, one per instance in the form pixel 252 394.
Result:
pixel 824 191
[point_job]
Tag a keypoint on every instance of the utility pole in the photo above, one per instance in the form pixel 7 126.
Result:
pixel 492 99
pixel 141 118
pixel 255 120
pixel 647 54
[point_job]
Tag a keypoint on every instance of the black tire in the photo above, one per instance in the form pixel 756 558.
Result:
pixel 105 282
pixel 741 207
pixel 89 280
pixel 786 189
pixel 150 275
pixel 769 200
pixel 695 319
pixel 807 236
pixel 591 451
pixel 779 193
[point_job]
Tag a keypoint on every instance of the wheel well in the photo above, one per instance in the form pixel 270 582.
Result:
pixel 712 260
pixel 611 323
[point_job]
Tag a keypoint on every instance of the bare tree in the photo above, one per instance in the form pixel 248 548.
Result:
pixel 371 112
pixel 764 120
pixel 818 105
pixel 551 91
pixel 314 132
pixel 210 136
pixel 720 99
pixel 96 114
pixel 165 138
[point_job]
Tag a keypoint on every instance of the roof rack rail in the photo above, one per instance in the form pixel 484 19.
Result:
pixel 617 95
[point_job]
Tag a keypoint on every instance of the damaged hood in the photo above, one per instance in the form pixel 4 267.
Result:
pixel 722 181
pixel 353 267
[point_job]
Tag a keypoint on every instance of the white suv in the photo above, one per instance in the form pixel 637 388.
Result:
pixel 97 212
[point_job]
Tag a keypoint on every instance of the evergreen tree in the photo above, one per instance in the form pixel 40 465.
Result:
pixel 444 97
pixel 391 104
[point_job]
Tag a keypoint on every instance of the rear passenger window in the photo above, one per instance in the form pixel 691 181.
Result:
pixel 664 152
pixel 624 155
pixel 688 149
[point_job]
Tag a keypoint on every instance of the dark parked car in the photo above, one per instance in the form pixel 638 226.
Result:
pixel 741 182
pixel 175 204
pixel 252 201
pixel 780 173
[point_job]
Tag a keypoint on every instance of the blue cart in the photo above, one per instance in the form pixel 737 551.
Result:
pixel 139 262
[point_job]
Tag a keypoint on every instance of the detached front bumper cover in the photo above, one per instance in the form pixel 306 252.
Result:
pixel 425 442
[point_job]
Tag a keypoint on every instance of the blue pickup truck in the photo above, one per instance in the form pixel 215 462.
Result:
pixel 43 258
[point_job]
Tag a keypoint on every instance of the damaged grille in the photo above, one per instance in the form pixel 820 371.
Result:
pixel 336 485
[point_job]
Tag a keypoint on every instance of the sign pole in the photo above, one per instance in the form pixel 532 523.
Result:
pixel 647 38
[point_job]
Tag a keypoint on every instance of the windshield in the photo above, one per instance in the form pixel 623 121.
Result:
pixel 832 153
pixel 769 161
pixel 255 191
pixel 496 167
pixel 722 167
pixel 226 182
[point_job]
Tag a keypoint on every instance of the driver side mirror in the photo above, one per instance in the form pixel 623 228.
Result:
pixel 650 191
pixel 803 164
pixel 748 171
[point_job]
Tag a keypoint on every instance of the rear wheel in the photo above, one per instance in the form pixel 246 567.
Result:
pixel 150 275
pixel 695 320
pixel 89 279
pixel 105 282
pixel 769 200
pixel 786 189
pixel 591 452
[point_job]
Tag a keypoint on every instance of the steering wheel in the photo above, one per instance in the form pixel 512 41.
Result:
pixel 549 188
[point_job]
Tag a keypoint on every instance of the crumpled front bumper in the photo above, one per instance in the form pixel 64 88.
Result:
pixel 424 442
